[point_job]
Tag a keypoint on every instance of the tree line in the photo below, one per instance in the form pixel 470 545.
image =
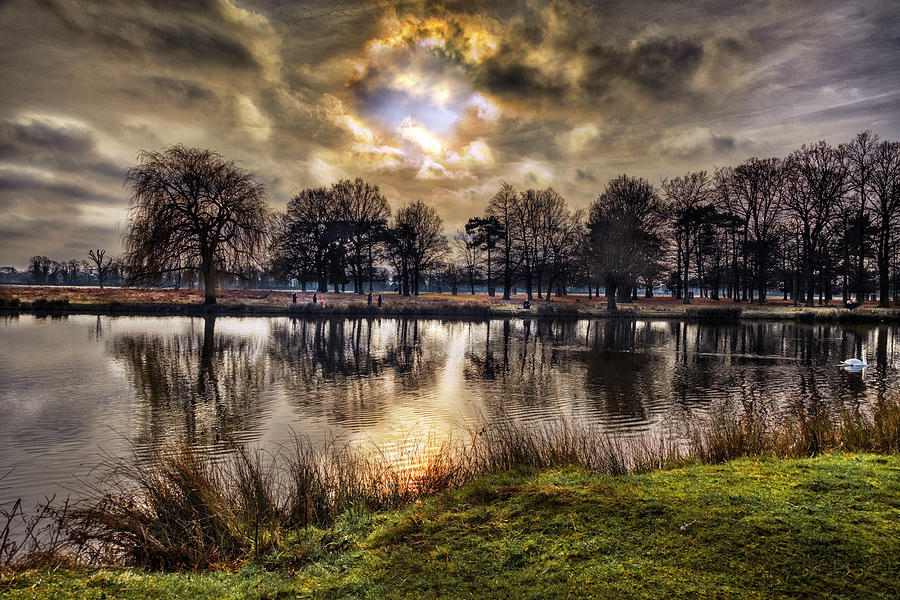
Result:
pixel 823 220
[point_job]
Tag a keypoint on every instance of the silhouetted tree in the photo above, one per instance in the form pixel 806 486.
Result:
pixel 365 211
pixel 40 268
pixel 885 205
pixel 417 243
pixel 689 200
pixel 502 208
pixel 625 224
pixel 486 232
pixel 469 250
pixel 102 264
pixel 192 208
pixel 860 152
pixel 816 178
pixel 756 186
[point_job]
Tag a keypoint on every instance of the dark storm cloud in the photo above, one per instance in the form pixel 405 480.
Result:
pixel 18 139
pixel 659 66
pixel 177 90
pixel 18 188
pixel 583 175
pixel 185 31
pixel 46 144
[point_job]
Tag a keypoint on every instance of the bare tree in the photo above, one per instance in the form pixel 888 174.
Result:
pixel 102 264
pixel 453 275
pixel 689 200
pixel 502 208
pixel 625 224
pixel 418 243
pixel 562 233
pixel 314 235
pixel 192 208
pixel 40 268
pixel 815 182
pixel 860 155
pixel 757 189
pixel 486 232
pixel 365 211
pixel 885 203
pixel 470 250
pixel 526 219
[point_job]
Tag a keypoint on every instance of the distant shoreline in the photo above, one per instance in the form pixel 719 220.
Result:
pixel 52 300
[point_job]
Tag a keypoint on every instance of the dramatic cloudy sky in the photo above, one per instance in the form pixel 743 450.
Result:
pixel 441 101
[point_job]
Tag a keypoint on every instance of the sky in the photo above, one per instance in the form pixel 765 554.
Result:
pixel 438 101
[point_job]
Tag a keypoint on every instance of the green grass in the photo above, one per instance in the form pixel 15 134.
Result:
pixel 824 527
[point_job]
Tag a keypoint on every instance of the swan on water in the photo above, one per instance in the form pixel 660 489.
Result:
pixel 855 363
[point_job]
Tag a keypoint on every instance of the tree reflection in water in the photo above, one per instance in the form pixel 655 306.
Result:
pixel 195 385
pixel 381 376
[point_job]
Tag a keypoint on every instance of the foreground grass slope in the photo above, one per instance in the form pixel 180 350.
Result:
pixel 826 527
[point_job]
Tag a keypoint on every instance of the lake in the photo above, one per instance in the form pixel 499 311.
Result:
pixel 76 389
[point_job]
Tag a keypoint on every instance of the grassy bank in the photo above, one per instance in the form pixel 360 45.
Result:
pixel 152 301
pixel 823 527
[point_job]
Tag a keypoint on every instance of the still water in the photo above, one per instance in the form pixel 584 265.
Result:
pixel 75 389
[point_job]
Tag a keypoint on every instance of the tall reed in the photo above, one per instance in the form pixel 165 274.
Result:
pixel 177 509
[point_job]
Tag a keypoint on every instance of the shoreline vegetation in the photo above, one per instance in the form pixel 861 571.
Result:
pixel 53 300
pixel 742 506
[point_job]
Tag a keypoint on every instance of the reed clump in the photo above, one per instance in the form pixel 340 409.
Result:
pixel 52 304
pixel 179 509
pixel 714 312
pixel 9 302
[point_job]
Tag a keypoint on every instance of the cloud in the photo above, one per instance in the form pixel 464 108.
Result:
pixel 579 138
pixel 434 99
pixel 193 33
pixel 698 142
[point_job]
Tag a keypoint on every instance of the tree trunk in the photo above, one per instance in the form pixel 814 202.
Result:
pixel 611 296
pixel 883 267
pixel 209 281
pixel 490 287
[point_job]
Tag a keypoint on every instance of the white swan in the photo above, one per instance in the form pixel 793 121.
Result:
pixel 855 363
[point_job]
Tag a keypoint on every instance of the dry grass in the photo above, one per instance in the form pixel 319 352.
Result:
pixel 177 509
pixel 155 300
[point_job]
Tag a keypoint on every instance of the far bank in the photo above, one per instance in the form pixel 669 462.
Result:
pixel 53 300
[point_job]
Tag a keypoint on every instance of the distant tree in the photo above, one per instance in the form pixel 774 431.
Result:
pixel 469 250
pixel 102 264
pixel 364 210
pixel 418 243
pixel 815 182
pixel 562 229
pixel 625 225
pixel 756 188
pixel 860 152
pixel 313 237
pixel 453 275
pixel 525 226
pixel 192 208
pixel 885 205
pixel 40 268
pixel 486 233
pixel 502 207
pixel 689 198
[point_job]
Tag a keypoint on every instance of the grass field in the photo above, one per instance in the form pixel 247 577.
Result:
pixel 92 299
pixel 824 527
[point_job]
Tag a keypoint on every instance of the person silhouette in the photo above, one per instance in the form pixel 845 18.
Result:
pixel 379 300
pixel 294 300
pixel 369 299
